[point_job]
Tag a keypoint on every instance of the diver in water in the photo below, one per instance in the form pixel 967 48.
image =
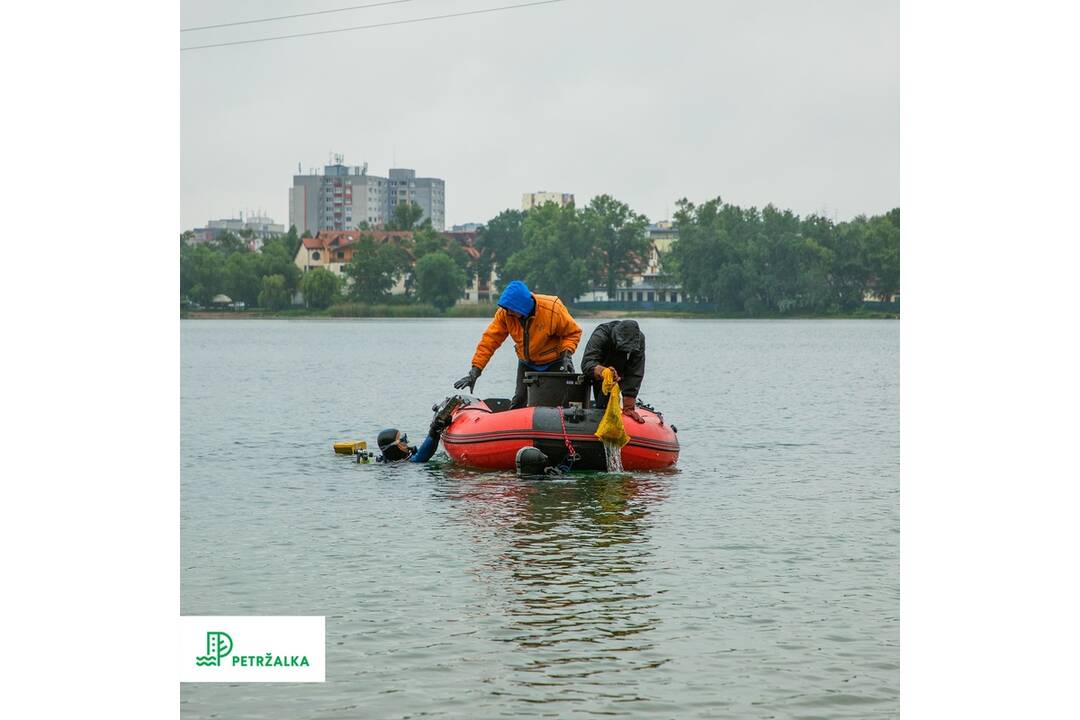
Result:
pixel 619 345
pixel 394 445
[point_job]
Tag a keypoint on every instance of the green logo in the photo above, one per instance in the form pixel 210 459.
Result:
pixel 218 645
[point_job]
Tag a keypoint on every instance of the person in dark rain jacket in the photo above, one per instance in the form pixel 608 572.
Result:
pixel 619 345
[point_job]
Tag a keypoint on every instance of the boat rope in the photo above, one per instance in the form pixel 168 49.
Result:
pixel 571 454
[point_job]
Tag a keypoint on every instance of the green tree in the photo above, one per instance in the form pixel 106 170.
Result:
pixel 406 216
pixel 708 258
pixel 557 253
pixel 882 253
pixel 202 273
pixel 618 234
pixel 274 293
pixel 374 269
pixel 439 280
pixel 228 243
pixel 320 288
pixel 498 239
pixel 427 240
pixel 847 274
pixel 291 241
pixel 242 280
pixel 276 259
pixel 790 271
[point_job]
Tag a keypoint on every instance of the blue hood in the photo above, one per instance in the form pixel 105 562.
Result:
pixel 517 297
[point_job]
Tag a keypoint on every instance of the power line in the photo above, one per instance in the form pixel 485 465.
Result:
pixel 376 25
pixel 297 15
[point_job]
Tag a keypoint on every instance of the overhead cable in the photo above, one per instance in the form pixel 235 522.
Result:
pixel 297 15
pixel 375 25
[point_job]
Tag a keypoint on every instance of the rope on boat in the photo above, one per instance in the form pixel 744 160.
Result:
pixel 571 454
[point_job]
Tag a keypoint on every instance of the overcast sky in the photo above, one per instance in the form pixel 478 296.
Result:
pixel 791 102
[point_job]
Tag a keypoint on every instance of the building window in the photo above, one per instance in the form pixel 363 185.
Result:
pixel 639 297
pixel 340 254
pixel 650 297
pixel 315 255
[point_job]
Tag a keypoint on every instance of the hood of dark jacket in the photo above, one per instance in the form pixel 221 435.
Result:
pixel 517 297
pixel 628 337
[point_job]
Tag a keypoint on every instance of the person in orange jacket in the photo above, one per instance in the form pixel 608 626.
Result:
pixel 545 337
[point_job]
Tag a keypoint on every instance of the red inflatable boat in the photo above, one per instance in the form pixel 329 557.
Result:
pixel 484 435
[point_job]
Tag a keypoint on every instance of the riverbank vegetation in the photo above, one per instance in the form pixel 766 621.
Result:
pixel 727 261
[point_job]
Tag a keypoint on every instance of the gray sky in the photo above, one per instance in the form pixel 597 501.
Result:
pixel 793 102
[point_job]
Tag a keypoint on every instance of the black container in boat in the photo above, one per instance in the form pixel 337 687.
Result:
pixel 551 389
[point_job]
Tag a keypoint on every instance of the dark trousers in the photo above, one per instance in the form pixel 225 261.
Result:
pixel 520 393
pixel 600 400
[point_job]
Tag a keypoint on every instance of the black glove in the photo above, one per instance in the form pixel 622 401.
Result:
pixel 566 362
pixel 469 380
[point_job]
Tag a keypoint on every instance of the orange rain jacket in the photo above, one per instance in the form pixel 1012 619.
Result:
pixel 540 339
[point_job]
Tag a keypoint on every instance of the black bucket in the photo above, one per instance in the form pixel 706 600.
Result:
pixel 551 389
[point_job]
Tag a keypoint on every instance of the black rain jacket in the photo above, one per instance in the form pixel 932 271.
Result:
pixel 621 345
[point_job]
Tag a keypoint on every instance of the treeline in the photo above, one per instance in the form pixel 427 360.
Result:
pixel 736 260
pixel 267 277
pixel 772 261
pixel 434 269
pixel 566 251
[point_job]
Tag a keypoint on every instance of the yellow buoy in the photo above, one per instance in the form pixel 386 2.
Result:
pixel 349 447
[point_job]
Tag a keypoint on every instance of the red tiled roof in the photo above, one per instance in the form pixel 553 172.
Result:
pixel 338 239
pixel 334 240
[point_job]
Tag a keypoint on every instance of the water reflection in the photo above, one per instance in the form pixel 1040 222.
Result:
pixel 566 558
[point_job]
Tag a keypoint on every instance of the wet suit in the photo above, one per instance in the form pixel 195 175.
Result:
pixel 427 448
pixel 393 452
pixel 621 345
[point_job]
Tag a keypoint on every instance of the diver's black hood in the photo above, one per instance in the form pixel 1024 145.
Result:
pixel 628 337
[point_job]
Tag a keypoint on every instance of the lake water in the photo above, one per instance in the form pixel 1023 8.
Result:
pixel 759 580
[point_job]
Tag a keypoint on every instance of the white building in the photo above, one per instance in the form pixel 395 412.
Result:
pixel 536 199
pixel 652 284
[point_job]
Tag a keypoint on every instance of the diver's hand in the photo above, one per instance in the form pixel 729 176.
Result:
pixel 628 409
pixel 469 380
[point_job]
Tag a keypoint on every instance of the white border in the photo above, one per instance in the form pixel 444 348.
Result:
pixel 90 511
pixel 989 389
pixel 988 360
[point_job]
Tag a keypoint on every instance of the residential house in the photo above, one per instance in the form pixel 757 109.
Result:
pixel 333 249
pixel 651 284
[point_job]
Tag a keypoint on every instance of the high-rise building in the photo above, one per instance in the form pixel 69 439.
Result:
pixel 536 199
pixel 428 193
pixel 343 197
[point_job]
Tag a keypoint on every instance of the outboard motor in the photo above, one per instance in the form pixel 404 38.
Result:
pixel 530 461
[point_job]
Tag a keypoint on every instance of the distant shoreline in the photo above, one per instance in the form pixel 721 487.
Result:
pixel 396 312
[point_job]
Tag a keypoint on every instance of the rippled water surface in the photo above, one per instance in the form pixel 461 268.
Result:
pixel 759 580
